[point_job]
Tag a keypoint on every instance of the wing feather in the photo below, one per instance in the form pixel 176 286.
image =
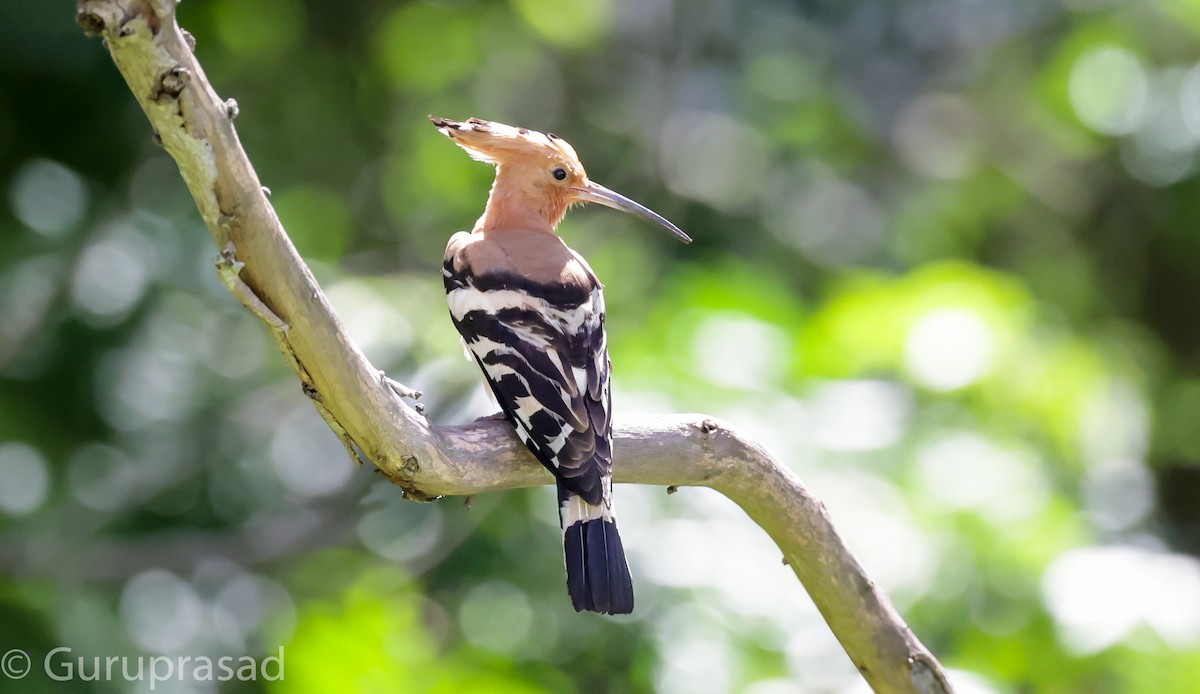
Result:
pixel 547 363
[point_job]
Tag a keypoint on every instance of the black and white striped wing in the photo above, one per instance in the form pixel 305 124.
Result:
pixel 544 352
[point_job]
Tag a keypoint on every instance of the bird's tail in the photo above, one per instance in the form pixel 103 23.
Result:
pixel 597 573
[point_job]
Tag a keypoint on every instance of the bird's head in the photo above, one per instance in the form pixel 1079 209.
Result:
pixel 538 176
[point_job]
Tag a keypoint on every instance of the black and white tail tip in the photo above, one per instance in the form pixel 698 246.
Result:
pixel 598 577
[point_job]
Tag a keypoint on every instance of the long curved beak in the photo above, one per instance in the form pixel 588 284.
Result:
pixel 594 192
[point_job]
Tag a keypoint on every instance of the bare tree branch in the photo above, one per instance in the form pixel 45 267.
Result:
pixel 261 267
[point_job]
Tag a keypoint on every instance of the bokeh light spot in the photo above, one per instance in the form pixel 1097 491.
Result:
pixel 27 293
pixel 161 612
pixel 964 471
pixel 738 351
pixel 24 479
pixel 1099 595
pixel 307 456
pixel 142 384
pixel 376 325
pixel 859 415
pixel 101 477
pixel 1108 89
pixel 1118 493
pixel 949 349
pixel 713 158
pixel 48 197
pixel 832 221
pixel 1189 101
pixel 401 531
pixel 697 654
pixel 112 275
pixel 496 616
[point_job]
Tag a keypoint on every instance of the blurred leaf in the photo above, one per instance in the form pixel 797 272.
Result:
pixel 264 31
pixel 317 220
pixel 424 48
pixel 369 639
pixel 572 24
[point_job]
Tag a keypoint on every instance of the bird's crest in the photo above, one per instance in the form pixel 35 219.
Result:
pixel 538 177
pixel 497 143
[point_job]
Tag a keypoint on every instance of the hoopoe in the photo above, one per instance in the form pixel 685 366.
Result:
pixel 531 313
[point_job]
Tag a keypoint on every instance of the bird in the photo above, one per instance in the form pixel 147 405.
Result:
pixel 530 311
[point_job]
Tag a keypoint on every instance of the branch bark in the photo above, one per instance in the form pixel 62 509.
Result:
pixel 260 266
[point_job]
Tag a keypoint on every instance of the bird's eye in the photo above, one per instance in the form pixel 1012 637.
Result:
pixel 559 174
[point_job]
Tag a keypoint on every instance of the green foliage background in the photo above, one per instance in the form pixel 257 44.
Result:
pixel 946 266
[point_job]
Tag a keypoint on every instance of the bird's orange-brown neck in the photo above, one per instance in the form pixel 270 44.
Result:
pixel 516 201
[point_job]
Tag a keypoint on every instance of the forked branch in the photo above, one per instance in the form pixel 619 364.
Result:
pixel 261 267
